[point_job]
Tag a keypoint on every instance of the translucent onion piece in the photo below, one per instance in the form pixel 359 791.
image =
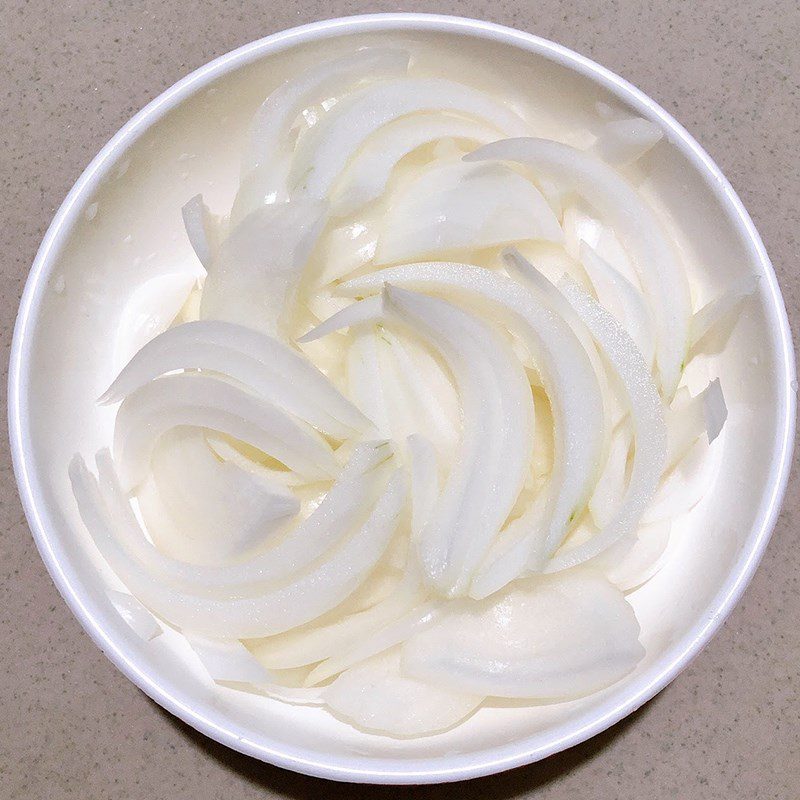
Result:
pixel 254 277
pixel 424 482
pixel 228 661
pixel 345 506
pixel 609 491
pixel 279 111
pixel 647 420
pixel 312 594
pixel 202 229
pixel 376 696
pixel 628 564
pixel 685 486
pixel 570 382
pixel 662 276
pixel 366 177
pixel 549 638
pixel 151 309
pixel 622 299
pixel 193 399
pixel 270 368
pixel 364 379
pixel 689 417
pixel 438 213
pixel 324 151
pixel 139 619
pixel 314 643
pixel 219 511
pixel 715 314
pixel 622 141
pixel 379 641
pixel 226 451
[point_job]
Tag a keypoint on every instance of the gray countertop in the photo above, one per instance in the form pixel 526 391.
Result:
pixel 72 726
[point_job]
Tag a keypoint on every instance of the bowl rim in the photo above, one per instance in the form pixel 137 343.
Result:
pixel 203 716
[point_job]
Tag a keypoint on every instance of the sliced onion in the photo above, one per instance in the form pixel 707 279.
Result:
pixel 139 619
pixel 150 310
pixel 324 151
pixel 660 271
pixel 267 366
pixel 714 315
pixel 609 491
pixel 279 111
pixel 315 643
pixel 202 230
pixel 495 450
pixel 255 275
pixel 549 638
pixel 282 608
pixel 376 696
pixel 622 299
pixel 424 482
pixel 366 177
pixel 219 511
pixel 345 506
pixel 381 640
pixel 622 141
pixel 437 213
pixel 628 565
pixel 689 417
pixel 571 382
pixel 647 420
pixel 193 399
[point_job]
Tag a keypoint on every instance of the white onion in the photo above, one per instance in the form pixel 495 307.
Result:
pixel 662 276
pixel 622 141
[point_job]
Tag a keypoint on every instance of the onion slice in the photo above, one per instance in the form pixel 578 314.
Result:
pixel 660 271
pixel 324 151
pixel 262 363
pixel 193 399
pixel 394 703
pixel 548 638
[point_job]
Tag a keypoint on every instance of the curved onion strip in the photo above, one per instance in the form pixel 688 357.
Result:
pixel 495 449
pixel 570 382
pixel 630 564
pixel 139 619
pixel 193 399
pixel 662 276
pixel 689 417
pixel 344 506
pixel 367 175
pixel 279 111
pixel 437 212
pixel 255 274
pixel 609 490
pixel 202 229
pixel 424 482
pixel 622 299
pixel 313 644
pixel 269 367
pixel 553 637
pixel 377 642
pixel 402 707
pixel 647 419
pixel 622 141
pixel 692 479
pixel 226 451
pixel 308 597
pixel 324 151
pixel 364 379
pixel 152 307
pixel 714 314
pixel 219 511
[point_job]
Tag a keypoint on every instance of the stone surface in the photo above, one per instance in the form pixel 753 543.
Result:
pixel 72 726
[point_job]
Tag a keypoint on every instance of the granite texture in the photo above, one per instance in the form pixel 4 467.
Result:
pixel 71 725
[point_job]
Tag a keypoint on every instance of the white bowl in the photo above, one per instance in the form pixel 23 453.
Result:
pixel 187 140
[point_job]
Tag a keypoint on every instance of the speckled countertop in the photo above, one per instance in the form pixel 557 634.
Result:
pixel 71 725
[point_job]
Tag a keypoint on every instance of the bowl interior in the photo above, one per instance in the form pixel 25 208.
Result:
pixel 126 227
